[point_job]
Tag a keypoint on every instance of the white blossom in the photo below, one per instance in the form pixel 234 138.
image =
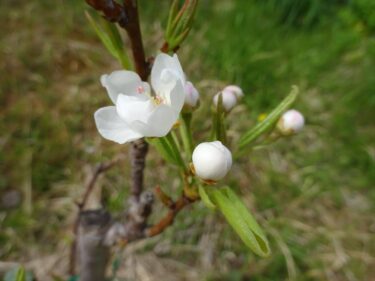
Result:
pixel 291 122
pixel 137 113
pixel 211 160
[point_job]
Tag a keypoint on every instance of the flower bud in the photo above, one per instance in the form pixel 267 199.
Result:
pixel 191 96
pixel 236 90
pixel 230 98
pixel 211 160
pixel 291 122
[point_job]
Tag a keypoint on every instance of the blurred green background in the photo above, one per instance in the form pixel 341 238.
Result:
pixel 314 194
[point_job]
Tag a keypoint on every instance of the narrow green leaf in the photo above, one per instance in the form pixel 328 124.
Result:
pixel 102 35
pixel 18 273
pixel 241 220
pixel 270 121
pixel 21 276
pixel 110 37
pixel 116 40
pixel 163 148
pixel 175 42
pixel 205 197
pixel 173 10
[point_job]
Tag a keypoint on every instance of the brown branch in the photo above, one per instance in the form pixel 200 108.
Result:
pixel 134 33
pixel 138 152
pixel 165 222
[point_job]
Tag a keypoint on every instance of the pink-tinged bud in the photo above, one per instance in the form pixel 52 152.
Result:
pixel 229 99
pixel 191 96
pixel 291 122
pixel 211 161
pixel 236 90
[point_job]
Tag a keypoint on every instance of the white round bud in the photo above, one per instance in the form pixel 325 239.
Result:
pixel 236 90
pixel 229 99
pixel 291 122
pixel 211 160
pixel 191 95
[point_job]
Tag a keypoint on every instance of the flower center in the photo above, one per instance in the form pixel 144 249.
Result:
pixel 158 100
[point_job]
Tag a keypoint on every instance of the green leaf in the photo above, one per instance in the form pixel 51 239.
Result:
pixel 163 147
pixel 21 276
pixel 173 10
pixel 270 121
pixel 110 37
pixel 241 220
pixel 18 274
pixel 206 198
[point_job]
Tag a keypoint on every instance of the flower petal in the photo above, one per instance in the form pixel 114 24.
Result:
pixel 164 68
pixel 177 97
pixel 125 82
pixel 159 123
pixel 112 127
pixel 134 108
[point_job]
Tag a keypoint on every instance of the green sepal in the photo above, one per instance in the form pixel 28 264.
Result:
pixel 206 198
pixel 241 220
pixel 270 121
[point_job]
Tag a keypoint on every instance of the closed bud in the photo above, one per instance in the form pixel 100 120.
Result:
pixel 211 161
pixel 236 90
pixel 191 96
pixel 291 122
pixel 231 95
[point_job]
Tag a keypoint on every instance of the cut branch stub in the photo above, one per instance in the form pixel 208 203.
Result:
pixel 94 255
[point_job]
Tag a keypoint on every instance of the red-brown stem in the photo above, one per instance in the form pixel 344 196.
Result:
pixel 165 222
pixel 134 32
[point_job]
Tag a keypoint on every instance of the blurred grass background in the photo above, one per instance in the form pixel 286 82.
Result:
pixel 314 194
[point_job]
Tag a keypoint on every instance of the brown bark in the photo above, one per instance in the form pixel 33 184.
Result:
pixel 93 253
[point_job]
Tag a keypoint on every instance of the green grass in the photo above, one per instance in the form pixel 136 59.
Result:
pixel 314 193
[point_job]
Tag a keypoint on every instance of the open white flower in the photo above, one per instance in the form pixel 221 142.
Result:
pixel 137 113
pixel 211 160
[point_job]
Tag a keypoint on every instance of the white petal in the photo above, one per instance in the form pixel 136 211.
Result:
pixel 134 108
pixel 159 123
pixel 164 66
pixel 112 127
pixel 176 97
pixel 125 82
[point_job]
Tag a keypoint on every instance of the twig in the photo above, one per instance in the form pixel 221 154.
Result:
pixel 174 209
pixel 133 29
